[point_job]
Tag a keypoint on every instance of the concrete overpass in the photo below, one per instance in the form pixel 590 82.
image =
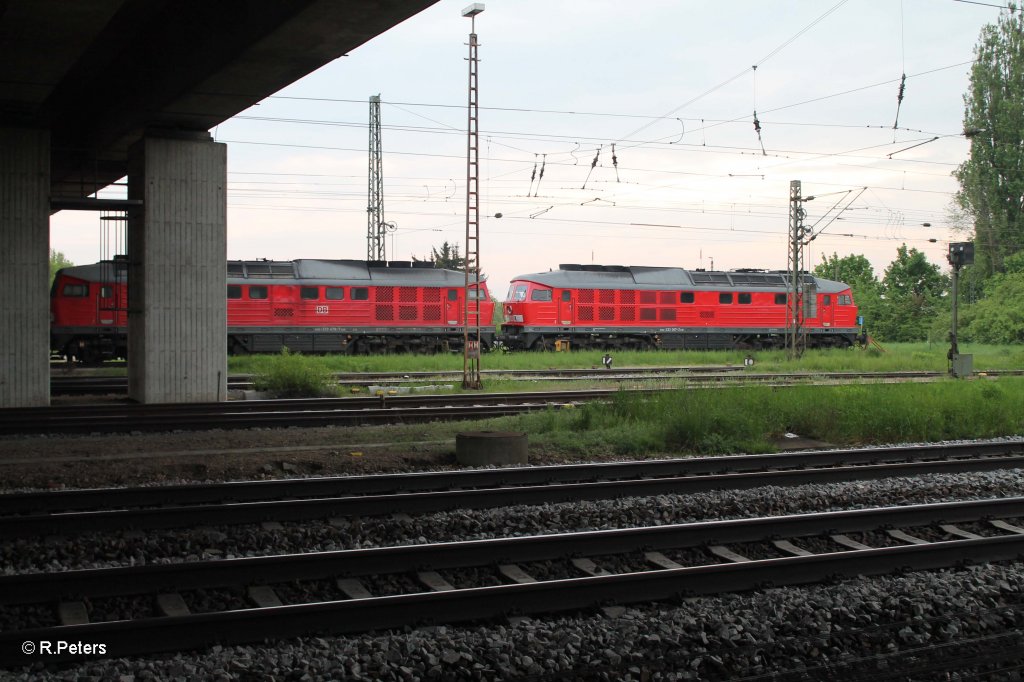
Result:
pixel 95 90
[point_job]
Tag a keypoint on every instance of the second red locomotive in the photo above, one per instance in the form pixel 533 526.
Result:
pixel 613 306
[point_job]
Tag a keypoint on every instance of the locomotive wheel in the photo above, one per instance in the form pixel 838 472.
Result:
pixel 540 344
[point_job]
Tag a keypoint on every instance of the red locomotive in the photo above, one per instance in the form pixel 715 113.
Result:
pixel 613 306
pixel 318 306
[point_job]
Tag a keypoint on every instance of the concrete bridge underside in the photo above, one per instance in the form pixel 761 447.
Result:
pixel 92 91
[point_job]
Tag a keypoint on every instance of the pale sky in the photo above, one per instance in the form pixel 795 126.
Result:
pixel 669 82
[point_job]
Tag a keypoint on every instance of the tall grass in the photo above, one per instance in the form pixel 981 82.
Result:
pixel 292 375
pixel 917 356
pixel 754 419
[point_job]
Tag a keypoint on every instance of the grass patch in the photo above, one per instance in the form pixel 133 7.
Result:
pixel 736 420
pixel 902 356
pixel 752 419
pixel 292 375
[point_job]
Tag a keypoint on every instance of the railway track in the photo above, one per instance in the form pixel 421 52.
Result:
pixel 118 385
pixel 394 587
pixel 380 409
pixel 69 384
pixel 80 511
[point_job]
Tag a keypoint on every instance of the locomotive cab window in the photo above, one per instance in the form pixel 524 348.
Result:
pixel 686 297
pixel 744 298
pixel 106 292
pixel 780 299
pixel 360 294
pixel 453 294
pixel 334 293
pixel 519 292
pixel 257 292
pixel 309 293
pixel 826 300
pixel 540 295
pixel 234 291
pixel 76 290
pixel 725 298
pixel 845 300
pixel 566 295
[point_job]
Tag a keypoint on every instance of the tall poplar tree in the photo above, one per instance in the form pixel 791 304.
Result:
pixel 992 179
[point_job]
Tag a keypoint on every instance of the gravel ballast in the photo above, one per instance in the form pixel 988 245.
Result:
pixel 871 626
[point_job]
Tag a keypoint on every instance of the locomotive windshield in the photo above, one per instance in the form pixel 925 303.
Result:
pixel 516 292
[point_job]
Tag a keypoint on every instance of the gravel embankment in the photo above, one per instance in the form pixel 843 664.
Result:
pixel 874 627
pixel 164 546
pixel 884 620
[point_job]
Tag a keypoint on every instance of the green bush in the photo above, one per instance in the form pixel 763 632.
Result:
pixel 291 375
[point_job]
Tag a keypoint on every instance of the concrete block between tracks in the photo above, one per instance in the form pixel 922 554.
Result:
pixel 491 448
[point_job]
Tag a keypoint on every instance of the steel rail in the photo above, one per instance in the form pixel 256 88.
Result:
pixel 30 588
pixel 13 414
pixel 123 638
pixel 94 499
pixel 242 415
pixel 482 498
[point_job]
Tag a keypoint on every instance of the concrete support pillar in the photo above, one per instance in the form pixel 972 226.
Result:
pixel 24 267
pixel 177 273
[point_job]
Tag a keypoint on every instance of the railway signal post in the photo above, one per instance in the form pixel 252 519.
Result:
pixel 960 254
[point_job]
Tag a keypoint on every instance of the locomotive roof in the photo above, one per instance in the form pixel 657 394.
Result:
pixel 380 273
pixel 647 277
pixel 95 272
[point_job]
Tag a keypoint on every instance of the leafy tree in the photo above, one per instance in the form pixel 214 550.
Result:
pixel 992 179
pixel 912 294
pixel 852 269
pixel 999 316
pixel 57 261
pixel 447 257
pixel 856 271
